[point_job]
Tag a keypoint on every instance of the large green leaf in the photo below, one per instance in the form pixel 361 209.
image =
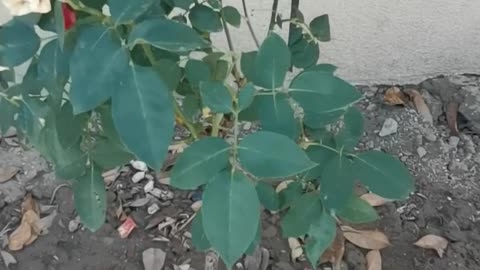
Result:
pixel 246 94
pixel 199 239
pixel 200 162
pixel 304 53
pixel 267 195
pixel 127 11
pixel 272 62
pixel 290 194
pixel 205 19
pixel 336 183
pixel 321 92
pixel 301 214
pixel 320 155
pixel 357 211
pixel 231 214
pixel 108 154
pixel 247 65
pixel 191 107
pixel 383 174
pixel 260 153
pixel 231 16
pixel 216 96
pixel 219 66
pixel 183 4
pixel 96 67
pixel 18 42
pixel 170 73
pixel 7 115
pixel 89 198
pixel 352 129
pixel 321 234
pixel 276 114
pixel 69 126
pixel 320 27
pixel 167 35
pixel 197 71
pixel 53 63
pixel 142 111
pixel 319 120
pixel 323 67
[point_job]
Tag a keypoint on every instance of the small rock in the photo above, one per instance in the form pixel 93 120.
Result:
pixel 453 141
pixel 148 187
pixel 270 232
pixel 247 126
pixel 74 224
pixel 152 209
pixel 454 233
pixel 428 133
pixel 161 194
pixel 389 127
pixel 370 145
pixel 43 186
pixel 419 140
pixel 139 165
pixel 457 167
pixel 137 177
pixel 469 145
pixel 371 107
pixel 12 191
pixel 421 152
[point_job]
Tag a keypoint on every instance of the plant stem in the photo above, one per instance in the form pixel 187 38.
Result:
pixel 229 37
pixel 235 69
pixel 250 28
pixel 82 7
pixel 12 100
pixel 217 119
pixel 235 135
pixel 274 15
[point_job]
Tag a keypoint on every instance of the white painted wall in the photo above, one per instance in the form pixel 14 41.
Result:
pixel 384 41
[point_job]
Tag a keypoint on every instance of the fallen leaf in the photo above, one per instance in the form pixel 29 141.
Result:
pixel 139 202
pixel 137 177
pixel 420 104
pixel 153 259
pixel 7 258
pixel 393 96
pixel 111 175
pixel 374 260
pixel 334 253
pixel 127 227
pixel 29 203
pixel 295 247
pixel 374 200
pixel 7 173
pixel 452 111
pixel 46 222
pixel 366 239
pixel 24 234
pixel 435 242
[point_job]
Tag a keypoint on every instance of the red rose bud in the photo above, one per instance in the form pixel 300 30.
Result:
pixel 68 16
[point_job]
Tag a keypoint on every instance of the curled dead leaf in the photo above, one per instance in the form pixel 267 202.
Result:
pixel 374 260
pixel 374 200
pixel 7 173
pixel 420 105
pixel 435 242
pixel 26 233
pixel 295 247
pixel 29 203
pixel 375 240
pixel 393 96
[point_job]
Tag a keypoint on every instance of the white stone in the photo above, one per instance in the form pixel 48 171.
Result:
pixel 138 177
pixel 148 187
pixel 139 165
pixel 421 152
pixel 389 127
pixel 152 209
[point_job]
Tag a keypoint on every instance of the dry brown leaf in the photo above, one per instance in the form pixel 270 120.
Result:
pixel 432 241
pixel 374 200
pixel 29 203
pixel 374 260
pixel 7 173
pixel 366 239
pixel 295 247
pixel 23 235
pixel 452 112
pixel 393 96
pixel 334 253
pixel 420 104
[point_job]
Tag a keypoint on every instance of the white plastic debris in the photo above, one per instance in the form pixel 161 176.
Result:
pixel 152 209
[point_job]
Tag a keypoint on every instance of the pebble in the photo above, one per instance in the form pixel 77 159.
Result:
pixel 453 141
pixel 163 195
pixel 137 177
pixel 477 159
pixel 469 145
pixel 421 152
pixel 152 209
pixel 419 140
pixel 247 126
pixel 371 107
pixel 148 187
pixel 370 144
pixel 429 133
pixel 389 127
pixel 139 165
pixel 456 166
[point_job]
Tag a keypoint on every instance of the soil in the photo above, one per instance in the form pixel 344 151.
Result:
pixel 446 203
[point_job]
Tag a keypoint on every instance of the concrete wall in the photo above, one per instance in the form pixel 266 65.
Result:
pixel 384 41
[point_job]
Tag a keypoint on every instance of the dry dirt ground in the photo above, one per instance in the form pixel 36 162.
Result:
pixel 446 201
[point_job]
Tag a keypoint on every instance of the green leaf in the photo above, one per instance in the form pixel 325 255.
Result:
pixel 220 68
pixel 320 155
pixel 59 19
pixel 191 107
pixel 323 67
pixel 197 71
pixel 290 194
pixel 357 211
pixel 322 93
pixel 272 62
pixel 7 115
pixel 200 162
pixel 336 183
pixel 276 114
pixel 31 120
pixel 319 120
pixel 216 96
pixel 321 234
pixel 304 53
pixel 53 63
pixel 127 11
pixel 199 239
pixel 89 198
pixel 267 195
pixel 231 16
pixel 320 28
pixel 246 94
pixel 260 154
pixel 183 4
pixel 96 64
pixel 142 111
pixel 383 174
pixel 352 130
pixel 19 42
pixel 205 19
pixel 170 72
pixel 247 65
pixel 96 4
pixel 108 154
pixel 216 4
pixel 231 214
pixel 301 214
pixel 167 35
pixel 108 127
pixel 69 126
pixel 68 162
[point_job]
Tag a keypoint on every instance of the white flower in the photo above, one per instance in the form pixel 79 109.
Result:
pixel 23 7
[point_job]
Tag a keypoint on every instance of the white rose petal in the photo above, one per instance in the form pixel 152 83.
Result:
pixel 24 7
